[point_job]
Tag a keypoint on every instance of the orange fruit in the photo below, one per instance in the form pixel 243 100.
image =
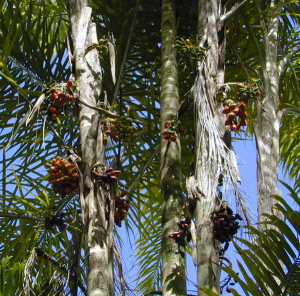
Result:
pixel 53 110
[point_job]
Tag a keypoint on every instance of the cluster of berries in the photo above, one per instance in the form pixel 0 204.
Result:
pixel 233 111
pixel 119 129
pixel 247 92
pixel 225 224
pixel 184 233
pixel 60 95
pixel 63 176
pixel 121 208
pixel 56 219
pixel 172 130
pixel 110 176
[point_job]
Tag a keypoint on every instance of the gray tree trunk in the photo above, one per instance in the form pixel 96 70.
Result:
pixel 173 269
pixel 208 167
pixel 88 75
pixel 268 119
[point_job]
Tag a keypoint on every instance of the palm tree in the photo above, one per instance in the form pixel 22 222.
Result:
pixel 43 47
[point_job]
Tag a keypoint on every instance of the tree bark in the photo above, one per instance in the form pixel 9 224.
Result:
pixel 93 202
pixel 210 77
pixel 173 269
pixel 268 121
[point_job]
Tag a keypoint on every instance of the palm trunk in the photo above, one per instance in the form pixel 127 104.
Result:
pixel 173 269
pixel 268 122
pixel 92 198
pixel 210 75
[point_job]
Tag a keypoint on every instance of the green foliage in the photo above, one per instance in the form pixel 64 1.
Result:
pixel 11 277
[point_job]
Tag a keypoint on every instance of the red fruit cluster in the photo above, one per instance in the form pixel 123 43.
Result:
pixel 184 233
pixel 225 224
pixel 233 111
pixel 59 100
pixel 172 130
pixel 110 176
pixel 63 177
pixel 121 208
pixel 56 219
pixel 120 129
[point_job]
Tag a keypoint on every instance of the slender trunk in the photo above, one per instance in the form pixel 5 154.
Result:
pixel 173 270
pixel 210 75
pixel 268 122
pixel 93 201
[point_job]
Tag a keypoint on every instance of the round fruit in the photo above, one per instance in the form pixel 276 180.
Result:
pixel 243 115
pixel 242 107
pixel 104 141
pixel 231 116
pixel 233 127
pixel 69 83
pixel 173 138
pixel 232 107
pixel 226 110
pixel 54 116
pixel 53 110
pixel 243 122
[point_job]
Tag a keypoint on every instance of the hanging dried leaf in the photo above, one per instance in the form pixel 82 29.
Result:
pixel 36 107
pixel 110 42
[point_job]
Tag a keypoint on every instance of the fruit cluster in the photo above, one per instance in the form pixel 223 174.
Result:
pixel 188 51
pixel 120 129
pixel 225 224
pixel 233 111
pixel 64 176
pixel 184 233
pixel 247 92
pixel 121 208
pixel 56 219
pixel 110 176
pixel 60 96
pixel 172 129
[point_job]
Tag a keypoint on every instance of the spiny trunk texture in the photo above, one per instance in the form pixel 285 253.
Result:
pixel 88 76
pixel 210 75
pixel 173 270
pixel 268 122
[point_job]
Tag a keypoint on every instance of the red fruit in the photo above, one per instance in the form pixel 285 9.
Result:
pixel 228 122
pixel 236 111
pixel 116 173
pixel 226 110
pixel 167 124
pixel 61 94
pixel 104 141
pixel 233 127
pixel 69 83
pixel 173 138
pixel 243 122
pixel 108 132
pixel 228 290
pixel 54 116
pixel 53 90
pixel 53 110
pixel 54 95
pixel 231 116
pixel 232 107
pixel 242 107
pixel 243 115
pixel 124 193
